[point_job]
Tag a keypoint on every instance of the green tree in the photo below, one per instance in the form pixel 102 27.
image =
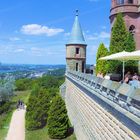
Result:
pixel 37 109
pixel 101 66
pixel 130 43
pixel 58 122
pixel 121 40
pixel 131 65
pixel 23 84
pixel 119 35
pixel 43 90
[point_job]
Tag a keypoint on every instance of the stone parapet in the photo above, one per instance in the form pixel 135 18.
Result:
pixel 93 115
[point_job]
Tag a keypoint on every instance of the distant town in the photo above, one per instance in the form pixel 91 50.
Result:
pixel 30 71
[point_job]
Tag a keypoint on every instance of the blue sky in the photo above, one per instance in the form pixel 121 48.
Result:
pixel 36 31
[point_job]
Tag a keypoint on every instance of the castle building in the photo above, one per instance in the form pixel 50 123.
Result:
pixel 131 13
pixel 76 48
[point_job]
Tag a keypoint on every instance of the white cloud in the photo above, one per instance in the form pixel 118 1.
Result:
pixel 103 27
pixel 49 51
pixel 36 29
pixel 104 35
pixel 14 39
pixel 101 35
pixel 19 50
pixel 91 50
pixel 67 34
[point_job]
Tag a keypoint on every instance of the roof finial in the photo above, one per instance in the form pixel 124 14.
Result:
pixel 77 12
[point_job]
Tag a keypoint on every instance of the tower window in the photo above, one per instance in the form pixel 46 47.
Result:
pixel 130 1
pixel 83 66
pixel 120 1
pixel 77 50
pixel 76 66
pixel 132 29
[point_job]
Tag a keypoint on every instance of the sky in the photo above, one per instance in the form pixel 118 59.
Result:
pixel 36 31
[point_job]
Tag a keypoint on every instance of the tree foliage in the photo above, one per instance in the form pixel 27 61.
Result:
pixel 58 122
pixel 5 107
pixel 23 84
pixel 6 88
pixel 43 90
pixel 101 66
pixel 37 109
pixel 121 40
pixel 50 82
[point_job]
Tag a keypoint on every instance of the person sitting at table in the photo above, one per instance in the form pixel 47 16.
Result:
pixel 127 77
pixel 135 82
pixel 135 76
pixel 100 75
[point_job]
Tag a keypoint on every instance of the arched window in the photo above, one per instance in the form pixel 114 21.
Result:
pixel 120 2
pixel 77 67
pixel 132 29
pixel 130 1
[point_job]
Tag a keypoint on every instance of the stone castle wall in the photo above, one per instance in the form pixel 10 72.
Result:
pixel 91 121
pixel 72 58
pixel 72 64
pixel 71 51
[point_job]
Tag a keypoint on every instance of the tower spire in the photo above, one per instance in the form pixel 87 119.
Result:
pixel 76 48
pixel 77 36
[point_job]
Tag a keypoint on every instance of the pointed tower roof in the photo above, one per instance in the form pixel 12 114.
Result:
pixel 77 36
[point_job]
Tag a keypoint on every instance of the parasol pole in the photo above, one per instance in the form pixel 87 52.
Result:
pixel 123 69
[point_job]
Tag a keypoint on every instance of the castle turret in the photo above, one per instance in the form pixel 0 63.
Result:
pixel 131 13
pixel 76 48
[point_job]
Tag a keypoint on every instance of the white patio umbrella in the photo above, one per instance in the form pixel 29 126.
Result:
pixel 121 56
pixel 133 56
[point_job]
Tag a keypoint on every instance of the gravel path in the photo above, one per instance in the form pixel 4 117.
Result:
pixel 17 126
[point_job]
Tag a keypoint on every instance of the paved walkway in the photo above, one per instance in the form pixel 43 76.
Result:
pixel 17 126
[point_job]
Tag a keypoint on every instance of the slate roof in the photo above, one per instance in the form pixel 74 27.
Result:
pixel 77 36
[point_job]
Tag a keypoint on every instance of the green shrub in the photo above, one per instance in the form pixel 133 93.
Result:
pixel 101 65
pixel 58 122
pixel 121 40
pixel 43 90
pixel 23 84
pixel 37 109
pixel 5 107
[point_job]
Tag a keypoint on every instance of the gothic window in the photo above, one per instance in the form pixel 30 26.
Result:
pixel 132 29
pixel 130 1
pixel 120 1
pixel 83 66
pixel 77 50
pixel 76 66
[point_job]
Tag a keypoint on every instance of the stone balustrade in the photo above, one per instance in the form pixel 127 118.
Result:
pixel 124 95
pixel 101 109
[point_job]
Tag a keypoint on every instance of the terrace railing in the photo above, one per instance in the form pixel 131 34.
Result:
pixel 124 95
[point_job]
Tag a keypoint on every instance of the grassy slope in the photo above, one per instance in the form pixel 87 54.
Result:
pixel 42 135
pixel 30 135
pixel 6 120
pixel 23 95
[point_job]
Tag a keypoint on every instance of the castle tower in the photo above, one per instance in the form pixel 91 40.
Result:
pixel 76 48
pixel 131 13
